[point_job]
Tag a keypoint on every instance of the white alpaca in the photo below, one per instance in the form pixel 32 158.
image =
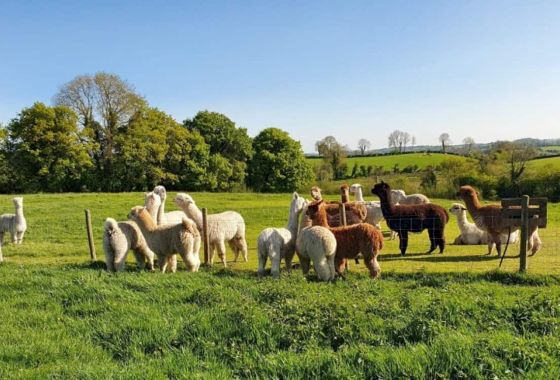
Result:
pixel 153 202
pixel 374 215
pixel 400 197
pixel 227 226
pixel 317 244
pixel 168 240
pixel 472 235
pixel 15 224
pixel 172 217
pixel 278 243
pixel 118 239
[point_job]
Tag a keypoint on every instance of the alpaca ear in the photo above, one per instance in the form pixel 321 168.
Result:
pixel 295 195
pixel 463 208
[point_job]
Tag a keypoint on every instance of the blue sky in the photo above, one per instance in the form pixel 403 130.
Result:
pixel 351 69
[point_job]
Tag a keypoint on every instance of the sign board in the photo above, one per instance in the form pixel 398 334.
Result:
pixel 537 212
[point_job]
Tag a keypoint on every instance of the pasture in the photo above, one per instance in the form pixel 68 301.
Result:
pixel 429 316
pixel 552 163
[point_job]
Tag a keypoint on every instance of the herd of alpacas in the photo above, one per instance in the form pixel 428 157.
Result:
pixel 314 231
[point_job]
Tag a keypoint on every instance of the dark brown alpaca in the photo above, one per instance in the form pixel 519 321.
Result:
pixel 412 218
pixel 350 240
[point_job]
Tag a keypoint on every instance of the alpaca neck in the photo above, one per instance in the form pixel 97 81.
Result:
pixel 195 214
pixel 344 196
pixel 161 212
pixel 387 205
pixel 321 218
pixel 462 220
pixel 293 222
pixel 19 214
pixel 359 196
pixel 472 203
pixel 146 221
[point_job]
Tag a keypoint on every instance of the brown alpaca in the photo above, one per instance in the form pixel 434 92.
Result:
pixel 488 218
pixel 412 218
pixel 355 212
pixel 350 240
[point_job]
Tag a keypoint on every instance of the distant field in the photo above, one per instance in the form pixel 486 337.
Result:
pixel 553 162
pixel 554 149
pixel 403 160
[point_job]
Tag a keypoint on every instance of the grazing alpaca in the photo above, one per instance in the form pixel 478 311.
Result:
pixel 317 244
pixel 400 197
pixel 118 239
pixel 280 243
pixel 355 213
pixel 172 217
pixel 226 226
pixel 412 218
pixel 489 218
pixel 168 240
pixel 470 233
pixel 15 224
pixel 350 240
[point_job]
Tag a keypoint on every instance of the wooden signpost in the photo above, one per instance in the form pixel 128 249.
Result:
pixel 527 214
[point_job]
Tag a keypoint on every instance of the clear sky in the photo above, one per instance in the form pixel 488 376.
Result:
pixel 351 69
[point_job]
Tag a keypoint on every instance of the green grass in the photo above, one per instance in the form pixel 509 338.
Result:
pixel 553 149
pixel 403 160
pixel 552 163
pixel 429 316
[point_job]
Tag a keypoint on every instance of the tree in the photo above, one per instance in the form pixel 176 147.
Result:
pixel 445 140
pixel 413 141
pixel 468 142
pixel 394 139
pixel 45 149
pixel 405 139
pixel 363 145
pixel 233 146
pixel 516 155
pixel 334 154
pixel 104 103
pixel 278 163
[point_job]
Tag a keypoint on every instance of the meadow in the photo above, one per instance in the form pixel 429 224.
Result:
pixel 451 315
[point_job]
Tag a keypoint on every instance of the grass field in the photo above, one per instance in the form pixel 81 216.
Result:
pixel 403 160
pixel 429 316
pixel 551 162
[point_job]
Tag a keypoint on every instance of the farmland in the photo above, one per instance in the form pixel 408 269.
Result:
pixel 450 315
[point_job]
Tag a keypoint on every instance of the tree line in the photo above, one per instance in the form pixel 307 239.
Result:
pixel 100 135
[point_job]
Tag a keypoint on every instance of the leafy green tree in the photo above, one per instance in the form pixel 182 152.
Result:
pixel 230 148
pixel 45 149
pixel 278 163
pixel 334 154
pixel 8 180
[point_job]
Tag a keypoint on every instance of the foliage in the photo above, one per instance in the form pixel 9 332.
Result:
pixel 45 149
pixel 445 140
pixel 398 140
pixel 334 154
pixel 364 145
pixel 429 179
pixel 230 148
pixel 278 164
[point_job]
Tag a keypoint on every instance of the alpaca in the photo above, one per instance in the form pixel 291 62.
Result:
pixel 172 217
pixel 489 218
pixel 153 202
pixel 226 226
pixel 401 198
pixel 15 224
pixel 167 240
pixel 412 218
pixel 471 234
pixel 355 213
pixel 118 239
pixel 278 243
pixel 350 240
pixel 317 244
pixel 374 214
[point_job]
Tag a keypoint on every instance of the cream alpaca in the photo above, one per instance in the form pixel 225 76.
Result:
pixel 152 202
pixel 401 198
pixel 227 226
pixel 317 244
pixel 172 217
pixel 118 239
pixel 15 224
pixel 280 243
pixel 167 240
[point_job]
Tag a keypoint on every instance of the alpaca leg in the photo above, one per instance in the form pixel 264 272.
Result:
pixel 212 248
pixel 275 270
pixel 222 252
pixel 403 241
pixel 288 258
pixel 433 242
pixel 490 245
pixel 1 255
pixel 20 237
pixel 373 266
pixel 440 239
pixel 498 242
pixel 140 260
pixel 305 264
pixel 173 263
pixel 322 268
pixel 340 265
pixel 162 263
pixel 14 237
pixel 109 258
pixel 331 267
pixel 263 256
pixel 234 249
pixel 243 246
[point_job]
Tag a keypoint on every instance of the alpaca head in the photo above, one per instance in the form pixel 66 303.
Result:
pixel 298 203
pixel 314 209
pixel 18 202
pixel 160 190
pixel 183 199
pixel 457 209
pixel 382 190
pixel 467 192
pixel 136 212
pixel 355 188
pixel 152 201
pixel 316 193
pixel 344 193
pixel 398 195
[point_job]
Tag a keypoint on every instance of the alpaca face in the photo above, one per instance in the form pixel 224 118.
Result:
pixel 152 200
pixel 183 199
pixel 160 190
pixel 298 203
pixel 457 209
pixel 381 189
pixel 467 192
pixel 355 188
pixel 135 212
pixel 18 201
pixel 316 193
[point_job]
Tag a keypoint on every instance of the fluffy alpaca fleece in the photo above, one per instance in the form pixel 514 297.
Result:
pixel 152 202
pixel 280 243
pixel 172 217
pixel 167 240
pixel 355 212
pixel 350 240
pixel 15 224
pixel 317 244
pixel 470 233
pixel 412 218
pixel 118 239
pixel 227 226
pixel 489 218
pixel 400 197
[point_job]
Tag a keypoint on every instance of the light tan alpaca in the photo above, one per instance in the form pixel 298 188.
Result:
pixel 118 239
pixel 167 240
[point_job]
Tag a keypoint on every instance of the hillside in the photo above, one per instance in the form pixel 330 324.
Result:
pixel 553 162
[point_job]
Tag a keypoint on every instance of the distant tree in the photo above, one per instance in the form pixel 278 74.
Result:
pixel 413 141
pixel 429 179
pixel 468 142
pixel 354 170
pixel 104 103
pixel 394 140
pixel 364 145
pixel 334 154
pixel 278 163
pixel 8 179
pixel 445 140
pixel 516 155
pixel 44 148
pixel 405 137
pixel 233 146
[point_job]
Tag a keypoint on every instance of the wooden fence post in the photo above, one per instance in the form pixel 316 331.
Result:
pixel 342 212
pixel 89 230
pixel 524 234
pixel 205 235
